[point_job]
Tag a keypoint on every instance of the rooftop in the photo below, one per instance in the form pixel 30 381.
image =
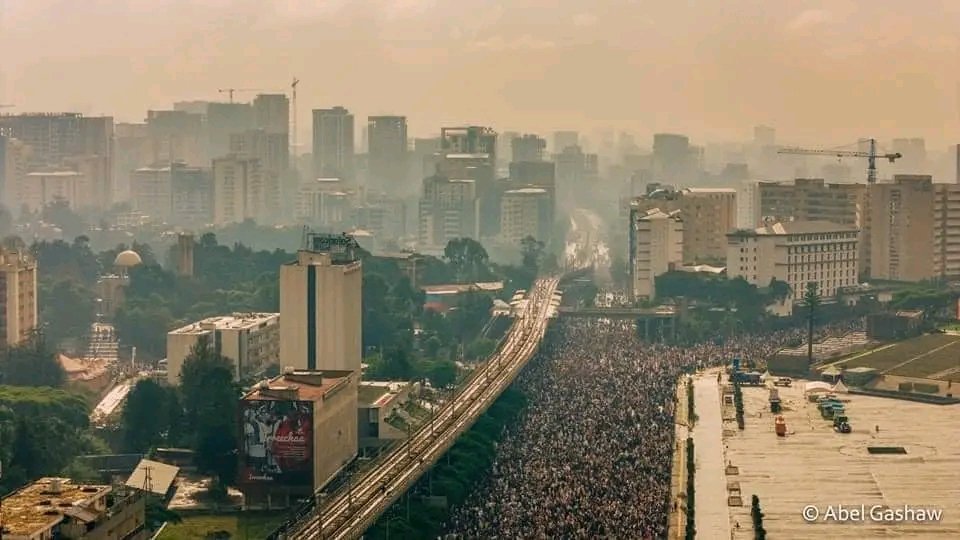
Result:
pixel 697 190
pixel 527 191
pixel 161 477
pixel 467 156
pixel 54 173
pixel 656 213
pixel 374 394
pixel 228 322
pixel 44 503
pixel 797 227
pixel 299 386
pixel 457 288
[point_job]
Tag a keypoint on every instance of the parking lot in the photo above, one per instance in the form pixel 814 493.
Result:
pixel 835 473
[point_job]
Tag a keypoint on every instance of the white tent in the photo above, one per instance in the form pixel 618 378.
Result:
pixel 840 388
pixel 816 387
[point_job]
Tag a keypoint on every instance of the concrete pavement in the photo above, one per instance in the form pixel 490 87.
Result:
pixel 712 515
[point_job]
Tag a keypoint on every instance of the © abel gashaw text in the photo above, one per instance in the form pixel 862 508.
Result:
pixel 862 512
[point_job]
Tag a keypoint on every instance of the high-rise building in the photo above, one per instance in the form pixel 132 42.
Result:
pixel 426 155
pixel 272 150
pixel 320 305
pixel 225 119
pixel 470 140
pixel 251 341
pixel 810 199
pixel 191 195
pixel 505 148
pixel 51 136
pixel 901 228
pixel 133 148
pixel 150 192
pixel 449 208
pixel 565 139
pixel 764 136
pixel 914 155
pixel 525 212
pixel 322 202
pixel 176 136
pixel 655 243
pixel 13 169
pixel 798 253
pixel 238 190
pixel 39 189
pixel 539 174
pixel 957 176
pixel 18 282
pixel 708 215
pixel 388 152
pixel 271 113
pixel 527 148
pixel 577 174
pixel 333 143
pixel 675 161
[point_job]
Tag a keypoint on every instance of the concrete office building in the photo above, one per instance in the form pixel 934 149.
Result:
pixel 655 244
pixel 60 508
pixel 150 192
pixel 271 113
pixel 19 297
pixel 51 136
pixel 39 189
pixel 273 152
pixel 470 140
pixel 310 420
pixel 527 148
pixel 95 157
pixel 97 172
pixel 525 212
pixel 708 215
pixel 251 341
pixel 322 201
pixel 225 119
pixel 333 143
pixel 565 139
pixel 449 208
pixel 320 305
pixel 387 154
pixel 191 195
pixel 13 170
pixel 810 199
pixel 132 149
pixel 238 190
pixel 577 174
pixel 175 136
pixel 796 252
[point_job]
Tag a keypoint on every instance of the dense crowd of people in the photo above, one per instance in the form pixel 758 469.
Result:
pixel 591 456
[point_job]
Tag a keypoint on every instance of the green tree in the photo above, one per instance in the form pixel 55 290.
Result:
pixel 68 311
pixel 210 399
pixel 145 416
pixel 60 214
pixel 779 290
pixel 32 364
pixel 811 300
pixel 468 259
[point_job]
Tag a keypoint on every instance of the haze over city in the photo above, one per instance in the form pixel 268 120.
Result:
pixel 821 71
pixel 412 269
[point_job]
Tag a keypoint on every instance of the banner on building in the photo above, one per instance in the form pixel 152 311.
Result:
pixel 277 442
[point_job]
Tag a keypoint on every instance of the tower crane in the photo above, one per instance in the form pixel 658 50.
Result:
pixel 871 156
pixel 230 91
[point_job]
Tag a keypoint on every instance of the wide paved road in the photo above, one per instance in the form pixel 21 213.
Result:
pixel 356 507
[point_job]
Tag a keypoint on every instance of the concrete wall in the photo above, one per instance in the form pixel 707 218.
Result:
pixel 335 439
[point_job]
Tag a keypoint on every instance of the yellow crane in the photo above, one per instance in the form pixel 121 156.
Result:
pixel 871 156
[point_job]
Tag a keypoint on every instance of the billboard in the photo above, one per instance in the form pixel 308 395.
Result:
pixel 277 442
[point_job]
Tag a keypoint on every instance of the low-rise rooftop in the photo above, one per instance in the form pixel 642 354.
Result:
pixel 299 386
pixel 43 504
pixel 236 321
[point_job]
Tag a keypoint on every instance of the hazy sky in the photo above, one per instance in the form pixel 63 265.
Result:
pixel 819 70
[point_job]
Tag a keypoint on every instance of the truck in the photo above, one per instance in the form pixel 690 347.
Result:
pixel 752 378
pixel 783 381
pixel 832 410
pixel 841 424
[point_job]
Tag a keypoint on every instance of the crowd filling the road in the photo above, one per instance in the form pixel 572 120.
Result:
pixel 591 455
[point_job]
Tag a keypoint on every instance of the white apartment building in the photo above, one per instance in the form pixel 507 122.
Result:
pixel 250 340
pixel 320 304
pixel 239 192
pixel 449 208
pixel 322 201
pixel 525 212
pixel 656 243
pixel 796 252
pixel 39 189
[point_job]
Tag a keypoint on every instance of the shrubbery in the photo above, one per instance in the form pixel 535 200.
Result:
pixel 738 403
pixel 759 533
pixel 691 531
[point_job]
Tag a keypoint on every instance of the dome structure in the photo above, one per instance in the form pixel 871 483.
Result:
pixel 127 259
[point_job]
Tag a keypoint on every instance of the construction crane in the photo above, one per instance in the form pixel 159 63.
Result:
pixel 230 91
pixel 871 156
pixel 293 117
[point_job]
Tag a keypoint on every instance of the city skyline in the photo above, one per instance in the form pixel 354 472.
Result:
pixel 830 74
